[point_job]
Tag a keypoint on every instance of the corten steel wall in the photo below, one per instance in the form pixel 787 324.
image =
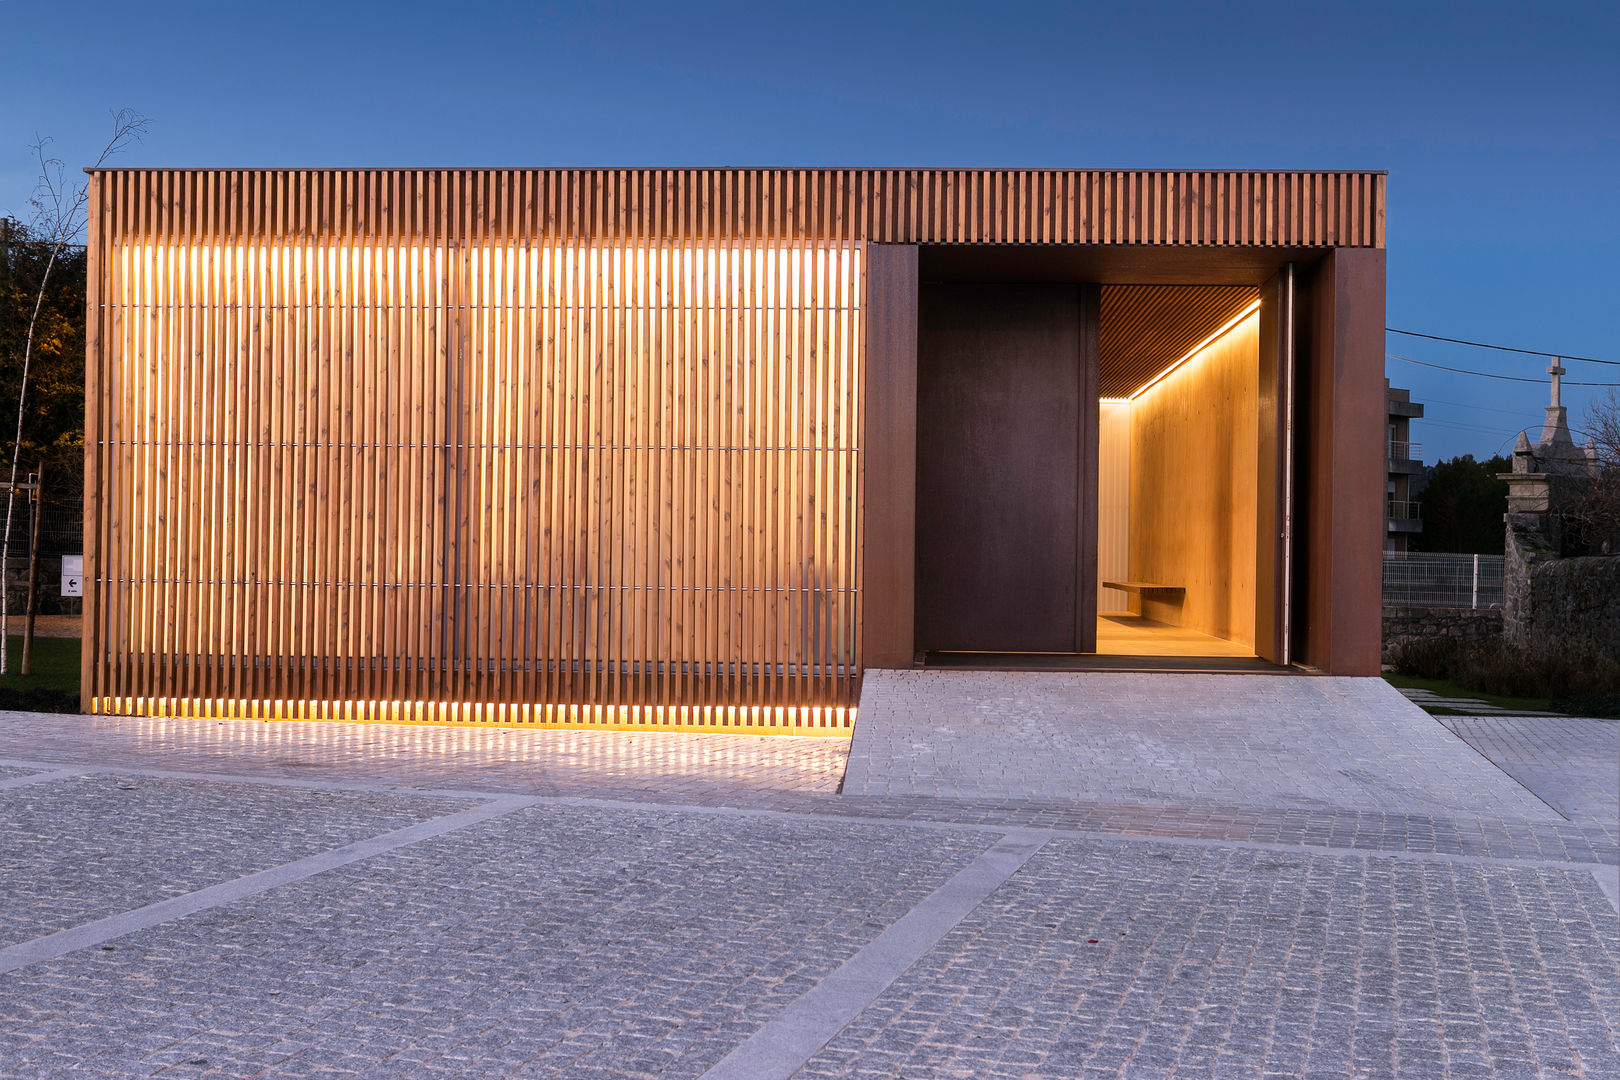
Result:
pixel 537 446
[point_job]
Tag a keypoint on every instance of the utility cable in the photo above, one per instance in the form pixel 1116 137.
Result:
pixel 1500 348
pixel 1489 375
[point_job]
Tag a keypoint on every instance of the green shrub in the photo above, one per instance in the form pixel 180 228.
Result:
pixel 1496 666
pixel 1428 658
pixel 1603 706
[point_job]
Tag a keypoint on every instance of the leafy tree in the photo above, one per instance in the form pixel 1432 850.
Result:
pixel 1463 504
pixel 60 219
pixel 53 421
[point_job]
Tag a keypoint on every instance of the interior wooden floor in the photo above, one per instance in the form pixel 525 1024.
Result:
pixel 1121 634
pixel 1125 643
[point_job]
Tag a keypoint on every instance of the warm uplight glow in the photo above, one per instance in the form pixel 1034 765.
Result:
pixel 325 276
pixel 1195 350
pixel 544 471
pixel 756 719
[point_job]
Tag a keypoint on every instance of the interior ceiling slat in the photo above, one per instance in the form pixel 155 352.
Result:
pixel 1146 328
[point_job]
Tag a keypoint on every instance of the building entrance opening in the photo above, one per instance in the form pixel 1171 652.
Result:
pixel 1178 470
pixel 1088 464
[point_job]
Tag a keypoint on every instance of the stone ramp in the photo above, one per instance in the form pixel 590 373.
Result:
pixel 1257 741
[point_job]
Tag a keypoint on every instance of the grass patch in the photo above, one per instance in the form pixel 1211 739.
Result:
pixel 1573 679
pixel 1446 688
pixel 54 684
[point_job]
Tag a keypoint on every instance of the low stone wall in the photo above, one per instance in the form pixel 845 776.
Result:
pixel 51 600
pixel 1574 601
pixel 1403 624
pixel 1549 600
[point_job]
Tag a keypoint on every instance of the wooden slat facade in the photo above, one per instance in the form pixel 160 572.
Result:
pixel 881 206
pixel 530 446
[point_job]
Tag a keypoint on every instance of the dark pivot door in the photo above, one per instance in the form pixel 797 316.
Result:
pixel 1006 468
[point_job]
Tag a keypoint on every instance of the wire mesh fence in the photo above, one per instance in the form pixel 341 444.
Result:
pixel 1435 579
pixel 61 525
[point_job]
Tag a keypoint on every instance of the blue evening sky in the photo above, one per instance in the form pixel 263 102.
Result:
pixel 1499 123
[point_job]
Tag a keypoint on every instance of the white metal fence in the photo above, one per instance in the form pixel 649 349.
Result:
pixel 1401 450
pixel 1432 579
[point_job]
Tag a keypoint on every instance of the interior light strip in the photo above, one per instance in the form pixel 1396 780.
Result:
pixel 1194 351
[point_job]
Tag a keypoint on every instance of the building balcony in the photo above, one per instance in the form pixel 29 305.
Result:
pixel 1404 451
pixel 1403 515
pixel 1412 410
pixel 1402 457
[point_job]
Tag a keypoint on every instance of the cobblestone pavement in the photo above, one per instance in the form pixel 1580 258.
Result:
pixel 1231 740
pixel 1124 959
pixel 557 941
pixel 84 847
pixel 300 900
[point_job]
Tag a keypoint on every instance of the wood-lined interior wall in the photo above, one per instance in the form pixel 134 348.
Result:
pixel 1113 503
pixel 1193 462
pixel 513 483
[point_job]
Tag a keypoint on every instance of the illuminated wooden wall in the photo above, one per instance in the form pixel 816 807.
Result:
pixel 531 446
pixel 1193 468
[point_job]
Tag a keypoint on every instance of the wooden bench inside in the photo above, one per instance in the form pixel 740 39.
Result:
pixel 1142 587
pixel 1167 598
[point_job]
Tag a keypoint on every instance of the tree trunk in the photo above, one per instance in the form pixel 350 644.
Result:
pixel 27 665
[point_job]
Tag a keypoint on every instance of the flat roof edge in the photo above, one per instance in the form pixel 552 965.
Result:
pixel 727 168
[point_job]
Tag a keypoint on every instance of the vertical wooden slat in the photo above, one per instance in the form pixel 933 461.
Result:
pixel 575 438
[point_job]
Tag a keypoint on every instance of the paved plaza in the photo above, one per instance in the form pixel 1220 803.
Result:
pixel 1005 876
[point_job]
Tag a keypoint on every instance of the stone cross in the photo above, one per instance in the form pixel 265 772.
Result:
pixel 1555 369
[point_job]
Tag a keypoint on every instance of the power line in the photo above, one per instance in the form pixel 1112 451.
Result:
pixel 1465 405
pixel 1489 375
pixel 1498 429
pixel 1501 348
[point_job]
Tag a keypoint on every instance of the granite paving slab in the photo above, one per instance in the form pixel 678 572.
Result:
pixel 1138 960
pixel 1570 763
pixel 1183 739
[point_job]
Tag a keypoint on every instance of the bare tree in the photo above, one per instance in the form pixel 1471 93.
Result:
pixel 60 218
pixel 1595 515
pixel 1603 427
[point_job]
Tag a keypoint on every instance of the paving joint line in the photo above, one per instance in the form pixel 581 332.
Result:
pixel 99 931
pixel 1060 833
pixel 786 1042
